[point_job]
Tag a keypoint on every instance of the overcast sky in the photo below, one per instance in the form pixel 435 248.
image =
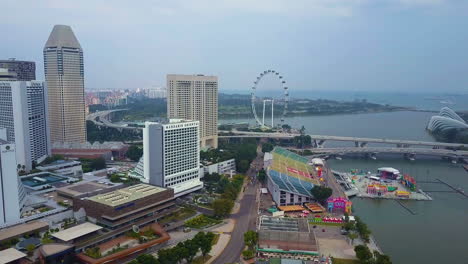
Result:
pixel 370 45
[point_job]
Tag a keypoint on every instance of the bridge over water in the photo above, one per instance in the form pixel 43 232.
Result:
pixel 319 140
pixel 376 150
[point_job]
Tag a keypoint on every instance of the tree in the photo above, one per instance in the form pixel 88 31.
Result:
pixel 213 177
pixel 181 252
pixel 30 248
pixel 134 152
pixel 230 192
pixel 381 258
pixel 192 248
pixel 222 184
pixel 250 238
pixel 321 193
pixel 262 175
pixel 352 236
pixel 98 164
pixel 248 254
pixel 243 166
pixel 267 147
pixel 204 241
pixel 349 226
pixel 146 259
pixel 222 207
pixel 363 253
pixel 362 229
pixel 167 256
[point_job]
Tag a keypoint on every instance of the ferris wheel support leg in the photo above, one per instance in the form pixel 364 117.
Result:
pixel 272 113
pixel 263 119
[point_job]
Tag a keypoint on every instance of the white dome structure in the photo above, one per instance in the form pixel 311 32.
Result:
pixel 446 119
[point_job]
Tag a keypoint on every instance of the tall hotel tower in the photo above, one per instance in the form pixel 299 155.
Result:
pixel 24 119
pixel 12 193
pixel 195 97
pixel 171 155
pixel 64 75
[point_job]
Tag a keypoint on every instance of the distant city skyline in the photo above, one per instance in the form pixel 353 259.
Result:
pixel 385 45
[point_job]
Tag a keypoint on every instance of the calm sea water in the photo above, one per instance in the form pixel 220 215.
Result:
pixel 438 232
pixel 423 101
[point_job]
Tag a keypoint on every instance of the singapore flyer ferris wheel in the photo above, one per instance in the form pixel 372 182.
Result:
pixel 284 100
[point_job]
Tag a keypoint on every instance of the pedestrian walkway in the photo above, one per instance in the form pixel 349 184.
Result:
pixel 219 247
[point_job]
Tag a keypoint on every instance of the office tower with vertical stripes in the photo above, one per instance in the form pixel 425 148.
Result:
pixel 64 75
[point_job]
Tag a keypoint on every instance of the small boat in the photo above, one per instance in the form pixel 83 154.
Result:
pixel 454 162
pixel 338 158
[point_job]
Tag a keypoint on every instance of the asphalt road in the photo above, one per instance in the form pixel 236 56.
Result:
pixel 245 218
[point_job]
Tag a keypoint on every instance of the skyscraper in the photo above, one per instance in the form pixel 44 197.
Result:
pixel 195 97
pixel 11 190
pixel 64 75
pixel 171 155
pixel 24 70
pixel 24 116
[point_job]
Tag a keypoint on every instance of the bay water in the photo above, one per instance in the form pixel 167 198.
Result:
pixel 438 232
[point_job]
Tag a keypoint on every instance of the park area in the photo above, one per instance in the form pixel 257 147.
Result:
pixel 202 221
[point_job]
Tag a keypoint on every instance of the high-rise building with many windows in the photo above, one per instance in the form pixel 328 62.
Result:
pixel 64 75
pixel 23 107
pixel 171 155
pixel 22 70
pixel 195 97
pixel 12 192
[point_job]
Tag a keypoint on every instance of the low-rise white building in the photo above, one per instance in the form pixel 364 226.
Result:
pixel 223 167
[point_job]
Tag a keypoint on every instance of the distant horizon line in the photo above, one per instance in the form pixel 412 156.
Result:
pixel 248 91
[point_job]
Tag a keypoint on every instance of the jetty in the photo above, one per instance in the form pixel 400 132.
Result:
pixel 453 188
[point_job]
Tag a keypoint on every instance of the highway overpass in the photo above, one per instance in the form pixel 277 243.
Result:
pixel 104 119
pixel 319 140
pixel 376 150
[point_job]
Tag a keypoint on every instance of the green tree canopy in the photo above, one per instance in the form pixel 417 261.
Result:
pixel 243 166
pixel 134 152
pixel 222 207
pixel 321 193
pixel 267 147
pixel 363 253
pixel 250 238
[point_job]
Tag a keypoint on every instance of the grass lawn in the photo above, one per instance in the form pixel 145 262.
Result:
pixel 181 214
pixel 215 239
pixel 201 259
pixel 345 261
